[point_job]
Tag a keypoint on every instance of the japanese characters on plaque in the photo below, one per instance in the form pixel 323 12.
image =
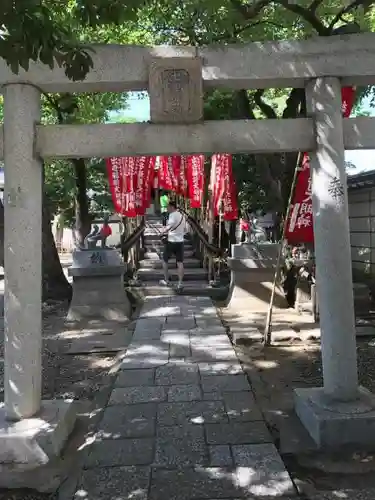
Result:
pixel 175 89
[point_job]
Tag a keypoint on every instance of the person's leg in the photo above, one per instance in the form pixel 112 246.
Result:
pixel 166 255
pixel 179 250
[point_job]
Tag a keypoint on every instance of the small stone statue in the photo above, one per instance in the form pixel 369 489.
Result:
pixel 96 235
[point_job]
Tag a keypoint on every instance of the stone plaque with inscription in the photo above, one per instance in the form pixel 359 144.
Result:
pixel 175 89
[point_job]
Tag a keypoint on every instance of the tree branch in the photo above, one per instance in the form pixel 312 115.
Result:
pixel 263 106
pixel 250 11
pixel 306 14
pixel 345 10
pixel 315 5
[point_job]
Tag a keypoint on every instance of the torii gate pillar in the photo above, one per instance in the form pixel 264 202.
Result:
pixel 32 431
pixel 341 412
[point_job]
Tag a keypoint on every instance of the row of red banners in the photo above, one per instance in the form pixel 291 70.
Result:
pixel 132 178
pixel 300 221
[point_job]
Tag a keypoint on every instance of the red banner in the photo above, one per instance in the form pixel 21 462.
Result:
pixel 130 183
pixel 230 192
pixel 217 181
pixel 195 180
pixel 300 222
pixel 223 186
pixel 115 178
pixel 166 174
pixel 182 187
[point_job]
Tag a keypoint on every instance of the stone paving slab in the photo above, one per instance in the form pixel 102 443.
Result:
pixel 128 421
pixel 110 453
pixel 129 378
pixel 109 483
pixel 177 373
pixel 237 433
pixel 182 422
pixel 179 446
pixel 193 412
pixel 137 394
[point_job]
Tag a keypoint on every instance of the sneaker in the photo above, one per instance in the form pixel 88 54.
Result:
pixel 179 287
pixel 164 283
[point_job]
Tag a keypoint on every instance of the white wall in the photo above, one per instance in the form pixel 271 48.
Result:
pixel 67 242
pixel 362 229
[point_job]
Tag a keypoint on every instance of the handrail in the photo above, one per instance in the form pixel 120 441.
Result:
pixel 212 249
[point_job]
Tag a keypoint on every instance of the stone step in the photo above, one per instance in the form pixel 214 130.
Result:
pixel 157 263
pixel 188 254
pixel 195 274
pixel 159 246
pixel 191 288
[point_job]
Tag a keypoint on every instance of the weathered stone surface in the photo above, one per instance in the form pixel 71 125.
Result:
pixel 175 87
pixel 180 323
pixel 179 351
pixel 220 456
pixel 109 453
pixel 194 483
pixel 211 353
pixel 177 393
pixel 195 412
pixel 177 373
pixel 211 368
pixel 109 483
pixel 128 421
pixel 181 446
pixel 238 433
pixel 266 473
pixel 225 383
pixel 160 310
pixel 241 407
pixel 145 354
pixel 206 341
pixel 132 378
pixel 134 395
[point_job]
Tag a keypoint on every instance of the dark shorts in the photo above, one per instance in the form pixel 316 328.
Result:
pixel 173 248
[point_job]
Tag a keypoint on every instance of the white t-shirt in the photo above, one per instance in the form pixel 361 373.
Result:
pixel 176 235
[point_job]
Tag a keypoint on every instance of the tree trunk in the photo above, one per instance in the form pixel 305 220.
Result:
pixel 83 220
pixel 55 284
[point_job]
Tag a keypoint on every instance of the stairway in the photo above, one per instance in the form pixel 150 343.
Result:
pixel 150 270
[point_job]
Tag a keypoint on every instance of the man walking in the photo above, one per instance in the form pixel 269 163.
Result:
pixel 175 230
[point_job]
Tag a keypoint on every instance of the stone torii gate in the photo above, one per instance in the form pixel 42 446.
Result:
pixel 33 431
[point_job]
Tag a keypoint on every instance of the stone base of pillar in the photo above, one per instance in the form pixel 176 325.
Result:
pixel 32 443
pixel 334 424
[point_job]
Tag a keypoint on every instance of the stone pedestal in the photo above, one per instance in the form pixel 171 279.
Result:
pixel 340 412
pixel 98 286
pixel 252 274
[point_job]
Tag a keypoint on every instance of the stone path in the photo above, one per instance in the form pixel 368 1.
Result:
pixel 182 422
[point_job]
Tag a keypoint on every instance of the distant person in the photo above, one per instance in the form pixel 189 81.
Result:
pixel 164 200
pixel 174 245
pixel 244 228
